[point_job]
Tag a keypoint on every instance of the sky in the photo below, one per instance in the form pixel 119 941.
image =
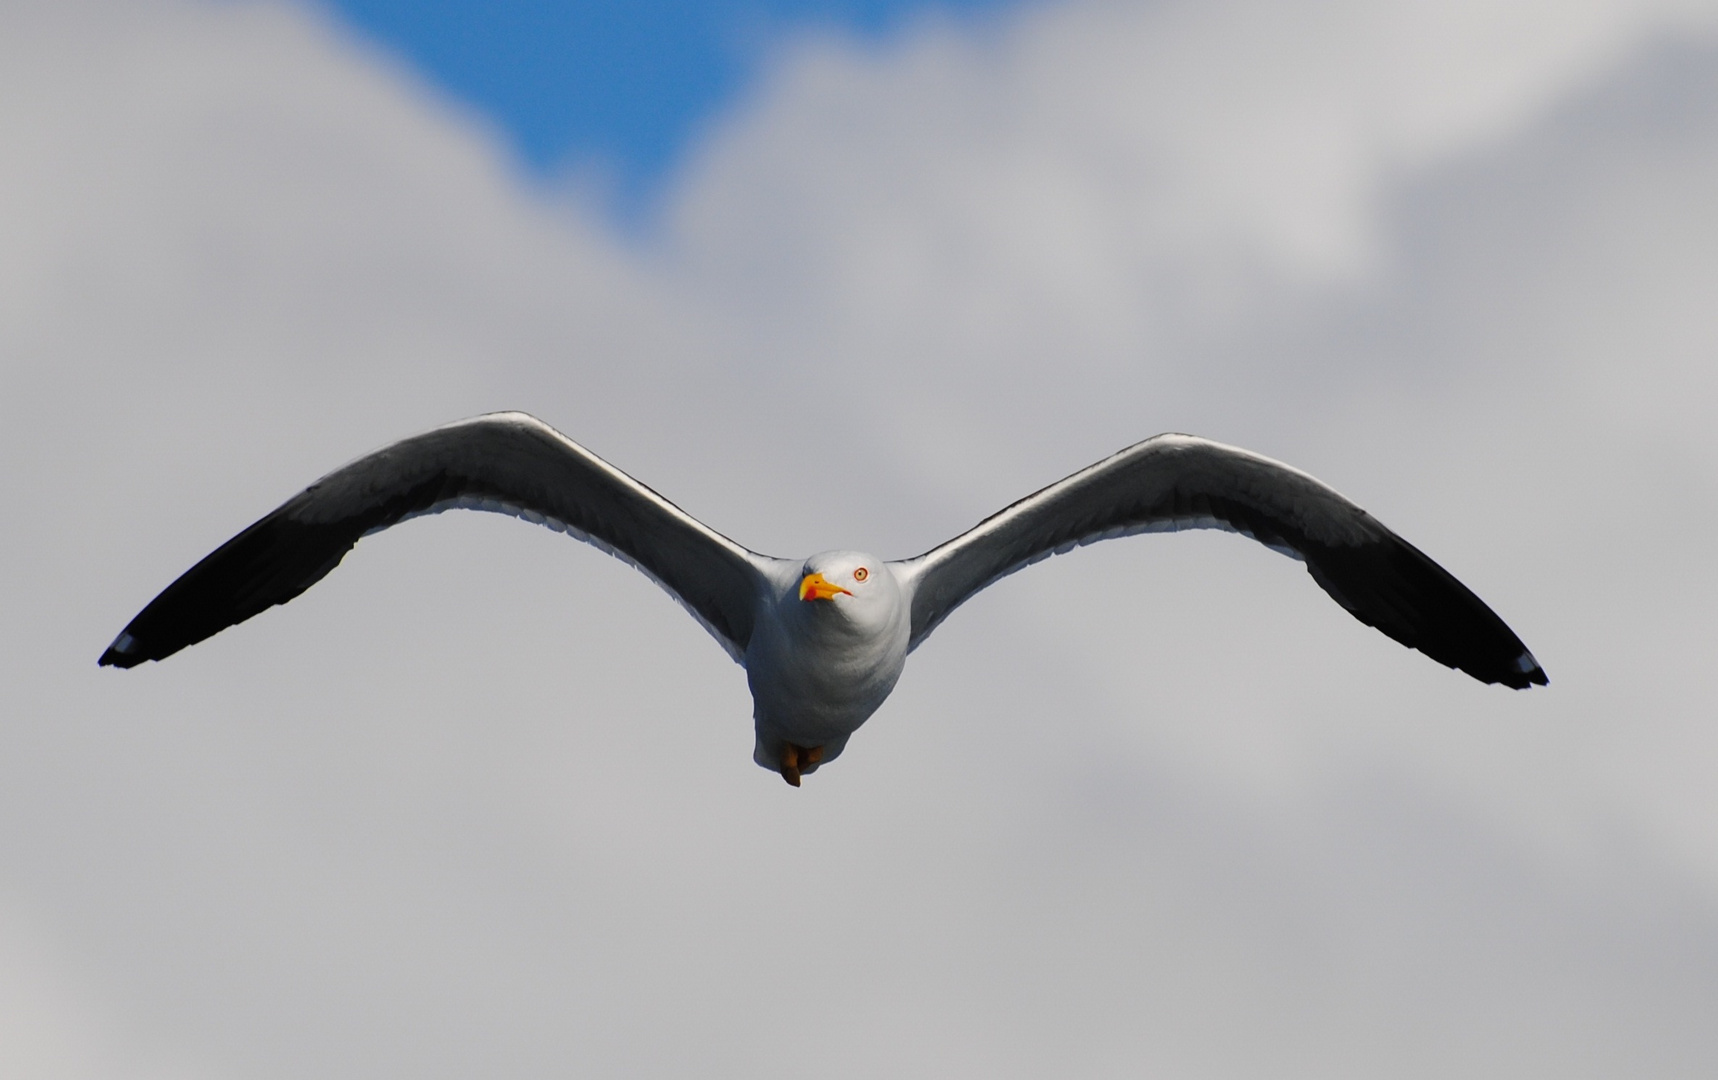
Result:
pixel 612 94
pixel 482 801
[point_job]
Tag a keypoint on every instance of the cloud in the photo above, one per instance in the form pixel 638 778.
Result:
pixel 482 801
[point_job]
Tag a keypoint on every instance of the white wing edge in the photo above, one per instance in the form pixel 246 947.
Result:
pixel 910 571
pixel 497 506
pixel 761 563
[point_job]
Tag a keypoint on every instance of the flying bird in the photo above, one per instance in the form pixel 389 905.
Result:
pixel 824 639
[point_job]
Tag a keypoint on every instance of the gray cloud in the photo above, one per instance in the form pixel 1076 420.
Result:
pixel 481 803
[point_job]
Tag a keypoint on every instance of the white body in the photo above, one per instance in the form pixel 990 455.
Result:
pixel 819 668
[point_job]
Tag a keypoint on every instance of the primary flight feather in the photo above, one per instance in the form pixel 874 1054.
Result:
pixel 824 639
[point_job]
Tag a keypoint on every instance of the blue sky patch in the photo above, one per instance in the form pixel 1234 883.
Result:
pixel 621 85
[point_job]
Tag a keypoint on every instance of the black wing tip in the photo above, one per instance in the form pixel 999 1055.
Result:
pixel 1528 673
pixel 1522 673
pixel 123 653
pixel 1393 586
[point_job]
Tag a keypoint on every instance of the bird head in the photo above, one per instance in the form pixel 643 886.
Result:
pixel 858 587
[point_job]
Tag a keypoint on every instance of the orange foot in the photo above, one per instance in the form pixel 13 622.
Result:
pixel 794 757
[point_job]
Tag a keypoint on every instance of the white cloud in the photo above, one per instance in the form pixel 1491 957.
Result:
pixel 482 802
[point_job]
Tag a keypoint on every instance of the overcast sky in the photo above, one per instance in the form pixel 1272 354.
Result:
pixel 482 802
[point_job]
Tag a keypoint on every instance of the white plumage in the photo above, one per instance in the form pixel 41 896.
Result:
pixel 824 639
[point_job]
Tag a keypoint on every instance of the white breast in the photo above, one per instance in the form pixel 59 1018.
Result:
pixel 819 669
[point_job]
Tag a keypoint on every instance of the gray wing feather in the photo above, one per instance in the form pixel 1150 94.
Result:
pixel 504 462
pixel 1175 482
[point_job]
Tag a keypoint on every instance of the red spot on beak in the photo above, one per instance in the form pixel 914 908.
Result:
pixel 817 587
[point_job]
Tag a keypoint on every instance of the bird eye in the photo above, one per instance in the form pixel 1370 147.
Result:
pixel 861 574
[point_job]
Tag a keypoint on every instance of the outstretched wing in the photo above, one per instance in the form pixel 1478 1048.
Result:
pixel 1175 482
pixel 505 462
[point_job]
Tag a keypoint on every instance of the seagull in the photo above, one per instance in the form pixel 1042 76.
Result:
pixel 823 640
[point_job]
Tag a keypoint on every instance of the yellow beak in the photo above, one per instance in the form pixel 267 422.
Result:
pixel 815 587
